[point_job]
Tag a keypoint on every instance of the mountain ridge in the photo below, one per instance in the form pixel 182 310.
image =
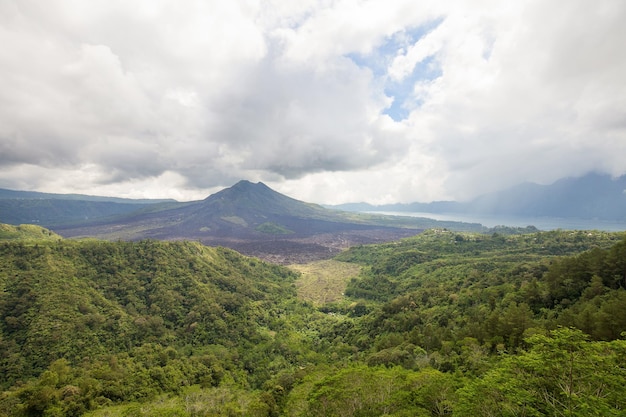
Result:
pixel 52 210
pixel 593 196
pixel 257 221
pixel 6 193
pixel 248 217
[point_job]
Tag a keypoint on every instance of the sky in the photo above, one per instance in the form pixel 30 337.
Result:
pixel 327 101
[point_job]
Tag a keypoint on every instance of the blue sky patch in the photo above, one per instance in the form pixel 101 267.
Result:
pixel 379 60
pixel 402 91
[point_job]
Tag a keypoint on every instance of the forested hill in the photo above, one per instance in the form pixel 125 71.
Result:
pixel 121 321
pixel 25 232
pixel 493 288
pixel 443 323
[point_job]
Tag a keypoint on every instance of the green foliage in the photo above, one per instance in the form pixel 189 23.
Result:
pixel 136 319
pixel 444 323
pixel 26 232
pixel 194 402
pixel 272 229
pixel 375 391
pixel 440 287
pixel 325 281
pixel 562 374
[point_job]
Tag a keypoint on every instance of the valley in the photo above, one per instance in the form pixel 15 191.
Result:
pixel 253 303
pixel 324 282
pixel 344 208
pixel 437 323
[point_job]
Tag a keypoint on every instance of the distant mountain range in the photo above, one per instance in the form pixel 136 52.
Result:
pixel 51 210
pixel 35 195
pixel 593 196
pixel 251 218
pixel 256 220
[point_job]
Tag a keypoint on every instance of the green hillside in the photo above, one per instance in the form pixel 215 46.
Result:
pixel 443 323
pixel 26 232
pixel 441 287
pixel 131 320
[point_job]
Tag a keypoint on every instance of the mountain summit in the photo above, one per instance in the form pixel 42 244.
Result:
pixel 248 196
pixel 253 219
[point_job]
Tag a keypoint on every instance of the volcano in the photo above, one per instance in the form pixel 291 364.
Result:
pixel 252 219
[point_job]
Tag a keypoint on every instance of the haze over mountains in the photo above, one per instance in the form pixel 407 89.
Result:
pixel 593 196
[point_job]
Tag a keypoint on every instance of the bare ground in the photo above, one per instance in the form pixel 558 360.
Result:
pixel 287 251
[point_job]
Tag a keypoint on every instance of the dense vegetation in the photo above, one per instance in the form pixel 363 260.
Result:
pixel 121 321
pixel 26 232
pixel 444 323
pixel 443 286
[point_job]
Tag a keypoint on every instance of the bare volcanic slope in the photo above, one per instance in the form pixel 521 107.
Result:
pixel 255 220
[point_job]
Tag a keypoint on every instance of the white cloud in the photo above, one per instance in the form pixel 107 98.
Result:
pixel 405 61
pixel 127 96
pixel 515 113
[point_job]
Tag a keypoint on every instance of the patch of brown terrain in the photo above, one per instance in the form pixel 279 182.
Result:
pixel 292 250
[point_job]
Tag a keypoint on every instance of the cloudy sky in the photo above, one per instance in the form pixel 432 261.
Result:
pixel 328 101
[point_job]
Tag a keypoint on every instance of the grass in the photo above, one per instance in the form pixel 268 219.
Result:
pixel 272 229
pixel 26 232
pixel 324 281
pixel 235 220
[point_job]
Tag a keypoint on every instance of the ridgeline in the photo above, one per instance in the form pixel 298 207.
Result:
pixel 250 218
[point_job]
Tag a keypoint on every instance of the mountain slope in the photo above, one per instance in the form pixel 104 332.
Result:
pixel 258 221
pixel 110 309
pixel 26 232
pixel 592 196
pixel 56 212
pixel 49 210
pixel 6 194
pixel 588 197
pixel 260 198
pixel 242 210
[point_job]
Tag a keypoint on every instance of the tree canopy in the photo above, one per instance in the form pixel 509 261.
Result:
pixel 443 323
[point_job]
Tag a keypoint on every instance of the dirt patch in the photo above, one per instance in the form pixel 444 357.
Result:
pixel 287 251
